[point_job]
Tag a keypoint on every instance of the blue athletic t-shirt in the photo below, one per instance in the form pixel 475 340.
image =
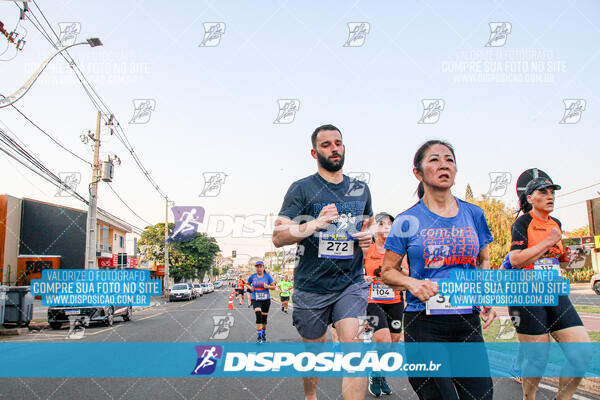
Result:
pixel 260 293
pixel 436 245
pixel 303 202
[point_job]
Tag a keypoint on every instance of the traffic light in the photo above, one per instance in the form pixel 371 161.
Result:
pixel 233 253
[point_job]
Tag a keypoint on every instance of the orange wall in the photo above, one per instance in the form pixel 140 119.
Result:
pixel 24 278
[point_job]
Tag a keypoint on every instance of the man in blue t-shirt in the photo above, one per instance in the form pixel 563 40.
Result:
pixel 327 215
pixel 259 284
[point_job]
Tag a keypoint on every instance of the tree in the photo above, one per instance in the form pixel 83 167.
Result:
pixel 469 194
pixel 500 219
pixel 189 260
pixel 198 256
pixel 579 232
pixel 152 244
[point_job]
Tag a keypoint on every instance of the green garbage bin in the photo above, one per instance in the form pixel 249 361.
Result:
pixel 18 306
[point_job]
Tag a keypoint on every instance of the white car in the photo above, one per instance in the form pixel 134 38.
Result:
pixel 199 289
pixel 208 287
pixel 181 291
pixel 595 283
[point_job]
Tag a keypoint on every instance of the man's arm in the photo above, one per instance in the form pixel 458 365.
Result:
pixel 288 232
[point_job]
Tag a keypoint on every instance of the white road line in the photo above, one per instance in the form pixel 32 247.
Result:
pixel 555 390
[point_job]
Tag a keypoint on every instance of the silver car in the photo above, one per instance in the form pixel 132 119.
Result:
pixel 199 289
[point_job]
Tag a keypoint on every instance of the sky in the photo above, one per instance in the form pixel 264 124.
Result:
pixel 215 104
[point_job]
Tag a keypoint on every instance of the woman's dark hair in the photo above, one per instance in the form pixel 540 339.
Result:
pixel 524 205
pixel 420 154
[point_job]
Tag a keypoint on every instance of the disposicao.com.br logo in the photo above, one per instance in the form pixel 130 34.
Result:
pixel 299 360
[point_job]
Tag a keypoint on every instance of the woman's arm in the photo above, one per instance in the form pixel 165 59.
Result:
pixel 522 258
pixel 392 276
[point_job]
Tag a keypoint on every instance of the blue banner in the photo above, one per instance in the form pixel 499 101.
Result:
pixel 95 288
pixel 296 359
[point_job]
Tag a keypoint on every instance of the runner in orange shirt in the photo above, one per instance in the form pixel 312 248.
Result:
pixel 386 306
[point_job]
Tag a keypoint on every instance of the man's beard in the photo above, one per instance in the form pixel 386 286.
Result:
pixel 331 166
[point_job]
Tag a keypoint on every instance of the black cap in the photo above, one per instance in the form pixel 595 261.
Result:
pixel 383 215
pixel 540 183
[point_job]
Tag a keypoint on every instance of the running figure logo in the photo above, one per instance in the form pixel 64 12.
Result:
pixel 222 326
pixel 70 180
pixel 358 183
pixel 212 34
pixel 207 359
pixel 498 34
pixel 187 220
pixel 213 181
pixel 68 33
pixel 287 111
pixel 499 182
pixel 142 110
pixel 358 33
pixel 432 108
pixel 573 110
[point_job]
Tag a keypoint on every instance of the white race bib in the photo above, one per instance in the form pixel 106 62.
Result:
pixel 547 264
pixel 338 246
pixel 381 291
pixel 440 305
pixel 261 295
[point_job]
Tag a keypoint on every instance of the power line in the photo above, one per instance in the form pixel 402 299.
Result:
pixel 95 98
pixel 49 136
pixel 126 205
pixel 33 164
pixel 578 190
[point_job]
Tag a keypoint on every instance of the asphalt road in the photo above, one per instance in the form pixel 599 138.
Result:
pixel 193 322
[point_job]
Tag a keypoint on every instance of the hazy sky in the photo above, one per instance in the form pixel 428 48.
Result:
pixel 215 105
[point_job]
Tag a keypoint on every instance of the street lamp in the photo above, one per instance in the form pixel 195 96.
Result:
pixel 16 96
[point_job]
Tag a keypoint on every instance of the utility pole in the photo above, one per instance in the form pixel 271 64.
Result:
pixel 166 279
pixel 92 224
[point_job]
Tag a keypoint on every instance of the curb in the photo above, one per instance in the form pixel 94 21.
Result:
pixel 14 331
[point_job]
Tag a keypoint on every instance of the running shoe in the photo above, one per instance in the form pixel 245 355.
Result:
pixel 374 387
pixel 516 374
pixel 385 389
pixel 259 340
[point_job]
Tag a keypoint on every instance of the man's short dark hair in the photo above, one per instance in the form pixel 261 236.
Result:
pixel 327 127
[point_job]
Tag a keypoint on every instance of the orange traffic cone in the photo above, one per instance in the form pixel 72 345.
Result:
pixel 230 303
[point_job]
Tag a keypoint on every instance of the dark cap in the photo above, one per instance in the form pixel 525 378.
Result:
pixel 383 215
pixel 540 183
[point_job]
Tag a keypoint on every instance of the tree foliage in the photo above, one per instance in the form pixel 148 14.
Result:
pixel 579 232
pixel 500 219
pixel 189 260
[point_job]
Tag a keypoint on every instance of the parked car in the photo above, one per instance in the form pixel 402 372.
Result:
pixel 181 291
pixel 57 316
pixel 218 284
pixel 191 286
pixel 198 288
pixel 595 283
pixel 206 287
pixel 211 286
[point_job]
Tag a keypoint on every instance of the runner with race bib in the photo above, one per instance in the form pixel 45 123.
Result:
pixel 536 244
pixel 284 286
pixel 439 234
pixel 386 306
pixel 259 284
pixel 327 216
